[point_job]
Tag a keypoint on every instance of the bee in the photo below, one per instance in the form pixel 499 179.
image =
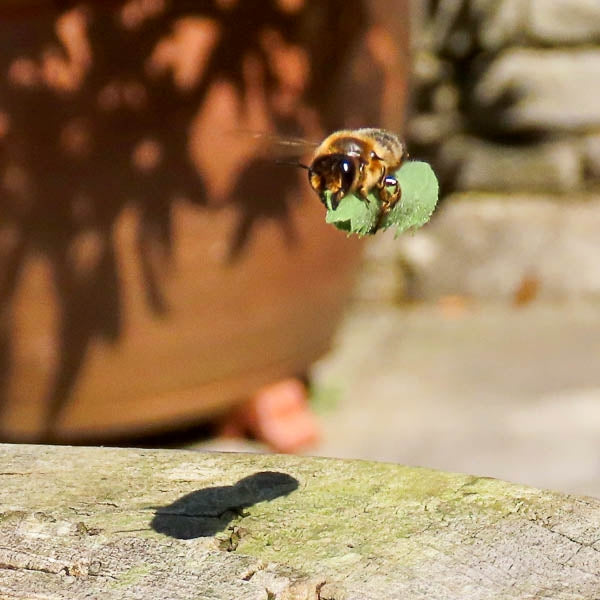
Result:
pixel 351 161
pixel 358 161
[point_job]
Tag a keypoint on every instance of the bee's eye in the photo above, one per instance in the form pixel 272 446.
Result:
pixel 347 172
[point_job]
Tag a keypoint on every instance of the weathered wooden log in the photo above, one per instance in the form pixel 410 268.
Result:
pixel 160 524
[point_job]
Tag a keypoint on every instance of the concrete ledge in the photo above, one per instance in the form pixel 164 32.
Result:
pixel 114 523
pixel 490 245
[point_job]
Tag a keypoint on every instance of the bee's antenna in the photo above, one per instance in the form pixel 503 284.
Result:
pixel 292 163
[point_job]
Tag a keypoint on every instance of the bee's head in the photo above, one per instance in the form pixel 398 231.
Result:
pixel 334 173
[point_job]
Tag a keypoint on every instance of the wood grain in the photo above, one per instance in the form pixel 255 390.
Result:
pixel 122 523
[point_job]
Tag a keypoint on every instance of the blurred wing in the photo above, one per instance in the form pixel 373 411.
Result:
pixel 280 148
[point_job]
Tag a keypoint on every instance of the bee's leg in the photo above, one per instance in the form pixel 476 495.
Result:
pixel 389 192
pixel 362 194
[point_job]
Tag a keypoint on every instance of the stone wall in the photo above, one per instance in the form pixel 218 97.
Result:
pixel 506 92
pixel 506 106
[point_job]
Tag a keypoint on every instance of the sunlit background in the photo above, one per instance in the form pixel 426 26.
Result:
pixel 163 281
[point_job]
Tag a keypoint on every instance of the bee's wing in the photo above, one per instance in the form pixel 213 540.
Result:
pixel 274 139
pixel 280 148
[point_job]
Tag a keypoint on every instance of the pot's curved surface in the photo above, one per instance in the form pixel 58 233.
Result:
pixel 156 266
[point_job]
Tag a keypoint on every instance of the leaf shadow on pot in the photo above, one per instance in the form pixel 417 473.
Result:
pixel 207 511
pixel 96 129
pixel 263 191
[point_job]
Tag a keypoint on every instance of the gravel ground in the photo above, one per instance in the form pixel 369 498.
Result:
pixel 506 392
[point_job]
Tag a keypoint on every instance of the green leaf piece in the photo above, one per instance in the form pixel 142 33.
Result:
pixel 420 190
pixel 354 215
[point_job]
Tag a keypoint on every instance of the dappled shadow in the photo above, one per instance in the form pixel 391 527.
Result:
pixel 205 512
pixel 107 107
pixel 264 191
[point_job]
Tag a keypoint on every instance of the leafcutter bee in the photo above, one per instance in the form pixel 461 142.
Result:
pixel 358 161
pixel 355 161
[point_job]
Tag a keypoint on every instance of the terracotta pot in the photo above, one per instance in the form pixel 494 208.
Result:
pixel 156 266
